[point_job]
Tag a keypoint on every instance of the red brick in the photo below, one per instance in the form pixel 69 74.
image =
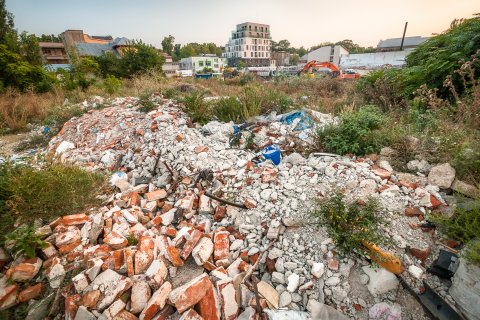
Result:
pixel 125 315
pixel 413 212
pixel 269 263
pixel 221 245
pixel 333 264
pixel 157 221
pixel 171 232
pixel 250 203
pixel 191 293
pixel 115 240
pixel 420 254
pixel 165 313
pixel 69 247
pixel 157 301
pixel 382 173
pixel 155 195
pixel 229 305
pixel 129 262
pixel 90 299
pixel 74 219
pixel 190 315
pixel 451 243
pixel 434 201
pixel 190 244
pixel 209 306
pixel 25 271
pixel 71 306
pixel 200 149
pixel 118 258
pixel 269 175
pixel 145 254
pixel 135 198
pixel 31 292
pixel 174 256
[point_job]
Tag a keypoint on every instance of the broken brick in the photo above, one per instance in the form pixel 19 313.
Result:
pixel 190 244
pixel 221 245
pixel 174 256
pixel 191 293
pixel 157 301
pixel 31 292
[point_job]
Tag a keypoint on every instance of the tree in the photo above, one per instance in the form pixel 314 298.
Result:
pixel 109 65
pixel 140 58
pixel 187 51
pixel 176 52
pixel 6 22
pixel 167 44
pixel 294 58
pixel 30 49
pixel 49 38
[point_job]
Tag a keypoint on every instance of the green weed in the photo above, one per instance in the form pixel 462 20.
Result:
pixel 23 240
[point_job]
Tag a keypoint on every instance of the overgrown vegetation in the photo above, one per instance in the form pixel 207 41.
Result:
pixel 464 226
pixel 28 193
pixel 350 225
pixel 358 133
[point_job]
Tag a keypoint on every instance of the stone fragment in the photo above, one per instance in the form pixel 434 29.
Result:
pixel 442 176
pixel 381 280
pixel 382 173
pixel 465 289
pixel 84 314
pixel 191 293
pixel 318 269
pixel 114 309
pixel 89 300
pixel 55 273
pixel 285 299
pixel 269 293
pixel 112 285
pixel 8 296
pixel 250 203
pixel 125 315
pixel 466 189
pixel 415 271
pixel 384 310
pixel 293 281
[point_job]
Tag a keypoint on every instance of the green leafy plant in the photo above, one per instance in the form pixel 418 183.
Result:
pixel 358 133
pixel 23 240
pixel 229 109
pixel 132 240
pixel 350 225
pixel 111 84
pixel 464 226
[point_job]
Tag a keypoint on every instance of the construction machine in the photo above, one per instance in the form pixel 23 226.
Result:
pixel 312 67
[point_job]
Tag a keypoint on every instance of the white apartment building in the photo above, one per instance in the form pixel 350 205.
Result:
pixel 199 63
pixel 249 43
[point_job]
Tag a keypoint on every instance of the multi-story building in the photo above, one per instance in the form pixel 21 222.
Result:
pixel 53 52
pixel 93 46
pixel 169 67
pixel 250 44
pixel 282 58
pixel 199 63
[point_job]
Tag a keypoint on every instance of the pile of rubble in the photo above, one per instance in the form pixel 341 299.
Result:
pixel 197 230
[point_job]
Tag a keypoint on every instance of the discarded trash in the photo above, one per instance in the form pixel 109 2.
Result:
pixel 272 153
pixel 385 259
pixel 46 130
pixel 117 176
pixel 445 265
pixel 302 119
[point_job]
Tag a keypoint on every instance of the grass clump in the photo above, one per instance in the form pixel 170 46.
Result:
pixel 145 104
pixel 464 226
pixel 229 109
pixel 55 189
pixel 351 224
pixel 23 240
pixel 358 132
pixel 197 108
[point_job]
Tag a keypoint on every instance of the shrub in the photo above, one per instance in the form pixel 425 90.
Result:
pixel 466 162
pixel 464 226
pixel 229 109
pixel 23 240
pixel 358 133
pixel 59 114
pixel 350 225
pixel 111 84
pixel 197 108
pixel 53 190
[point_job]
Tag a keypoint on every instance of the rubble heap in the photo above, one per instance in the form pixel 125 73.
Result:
pixel 196 230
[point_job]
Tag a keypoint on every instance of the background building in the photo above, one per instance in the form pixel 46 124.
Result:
pixel 282 58
pixel 328 53
pixel 395 43
pixel 250 44
pixel 199 63
pixel 169 67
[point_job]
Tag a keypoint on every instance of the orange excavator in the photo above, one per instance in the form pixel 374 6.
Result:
pixel 310 69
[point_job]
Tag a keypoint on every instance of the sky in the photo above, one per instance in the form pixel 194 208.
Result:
pixel 302 22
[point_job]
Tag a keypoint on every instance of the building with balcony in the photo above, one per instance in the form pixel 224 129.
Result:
pixel 204 62
pixel 53 52
pixel 169 67
pixel 250 44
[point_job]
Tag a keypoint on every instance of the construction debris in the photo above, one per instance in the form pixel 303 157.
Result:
pixel 197 230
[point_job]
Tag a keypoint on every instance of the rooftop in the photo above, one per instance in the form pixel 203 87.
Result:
pixel 396 42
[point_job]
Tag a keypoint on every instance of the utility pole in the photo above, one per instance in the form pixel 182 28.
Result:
pixel 403 38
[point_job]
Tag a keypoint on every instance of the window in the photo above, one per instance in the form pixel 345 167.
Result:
pixel 200 63
pixel 215 60
pixel 247 46
pixel 208 63
pixel 215 66
pixel 251 54
pixel 244 54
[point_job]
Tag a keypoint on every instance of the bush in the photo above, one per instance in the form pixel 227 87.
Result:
pixel 358 133
pixel 23 240
pixel 59 114
pixel 146 105
pixel 464 226
pixel 466 162
pixel 111 84
pixel 229 109
pixel 53 190
pixel 197 108
pixel 350 225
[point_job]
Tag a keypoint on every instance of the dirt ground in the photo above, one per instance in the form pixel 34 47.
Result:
pixel 9 142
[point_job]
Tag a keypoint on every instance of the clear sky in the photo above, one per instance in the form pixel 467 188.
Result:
pixel 302 22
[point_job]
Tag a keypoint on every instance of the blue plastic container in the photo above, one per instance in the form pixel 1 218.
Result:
pixel 273 153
